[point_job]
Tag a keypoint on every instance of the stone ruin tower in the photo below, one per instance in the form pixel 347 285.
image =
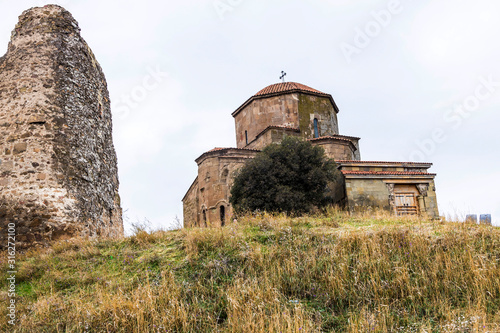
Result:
pixel 58 168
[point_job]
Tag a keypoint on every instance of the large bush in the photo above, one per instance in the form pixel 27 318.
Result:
pixel 290 177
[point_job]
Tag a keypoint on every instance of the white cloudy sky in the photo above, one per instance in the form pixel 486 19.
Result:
pixel 400 89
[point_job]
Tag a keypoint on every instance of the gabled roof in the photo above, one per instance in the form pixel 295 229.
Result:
pixel 284 88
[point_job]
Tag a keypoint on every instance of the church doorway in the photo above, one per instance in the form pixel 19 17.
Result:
pixel 204 214
pixel 406 202
pixel 222 215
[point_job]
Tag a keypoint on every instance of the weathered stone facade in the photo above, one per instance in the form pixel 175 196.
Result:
pixel 207 201
pixel 293 109
pixel 272 134
pixel 288 105
pixel 403 187
pixel 339 147
pixel 58 167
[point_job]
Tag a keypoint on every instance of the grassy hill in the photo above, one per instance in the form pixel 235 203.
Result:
pixel 334 273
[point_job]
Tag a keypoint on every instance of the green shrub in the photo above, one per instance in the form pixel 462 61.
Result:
pixel 290 177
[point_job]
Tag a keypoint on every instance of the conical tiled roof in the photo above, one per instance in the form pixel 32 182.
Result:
pixel 287 87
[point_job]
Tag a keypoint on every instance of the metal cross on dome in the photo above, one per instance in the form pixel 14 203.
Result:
pixel 282 77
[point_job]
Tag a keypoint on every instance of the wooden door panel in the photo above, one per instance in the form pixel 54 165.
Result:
pixel 406 204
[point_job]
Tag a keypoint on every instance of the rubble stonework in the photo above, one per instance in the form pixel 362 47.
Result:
pixel 58 167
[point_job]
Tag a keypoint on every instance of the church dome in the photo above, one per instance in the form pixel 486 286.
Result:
pixel 284 88
pixel 287 87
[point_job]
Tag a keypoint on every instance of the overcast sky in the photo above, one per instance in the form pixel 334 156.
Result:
pixel 416 80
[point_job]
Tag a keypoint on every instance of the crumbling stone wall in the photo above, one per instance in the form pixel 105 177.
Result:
pixel 58 168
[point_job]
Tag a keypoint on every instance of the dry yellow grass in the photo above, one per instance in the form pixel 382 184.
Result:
pixel 328 273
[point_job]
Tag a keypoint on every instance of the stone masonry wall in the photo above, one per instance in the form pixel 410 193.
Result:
pixel 190 206
pixel 337 150
pixel 362 193
pixel 295 110
pixel 212 188
pixel 279 110
pixel 311 107
pixel 272 135
pixel 428 197
pixel 375 193
pixel 58 167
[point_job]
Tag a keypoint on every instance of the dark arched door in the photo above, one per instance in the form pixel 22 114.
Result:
pixel 222 215
pixel 204 213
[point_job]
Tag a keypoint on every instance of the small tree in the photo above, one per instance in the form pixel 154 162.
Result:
pixel 290 177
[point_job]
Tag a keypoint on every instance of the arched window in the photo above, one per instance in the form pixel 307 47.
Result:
pixel 222 215
pixel 246 137
pixel 223 176
pixel 316 131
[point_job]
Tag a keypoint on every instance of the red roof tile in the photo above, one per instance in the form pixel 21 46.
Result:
pixel 380 162
pixel 215 150
pixel 336 137
pixel 347 137
pixel 285 87
pixel 388 173
pixel 220 149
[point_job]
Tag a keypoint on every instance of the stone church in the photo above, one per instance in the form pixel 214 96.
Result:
pixel 294 109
